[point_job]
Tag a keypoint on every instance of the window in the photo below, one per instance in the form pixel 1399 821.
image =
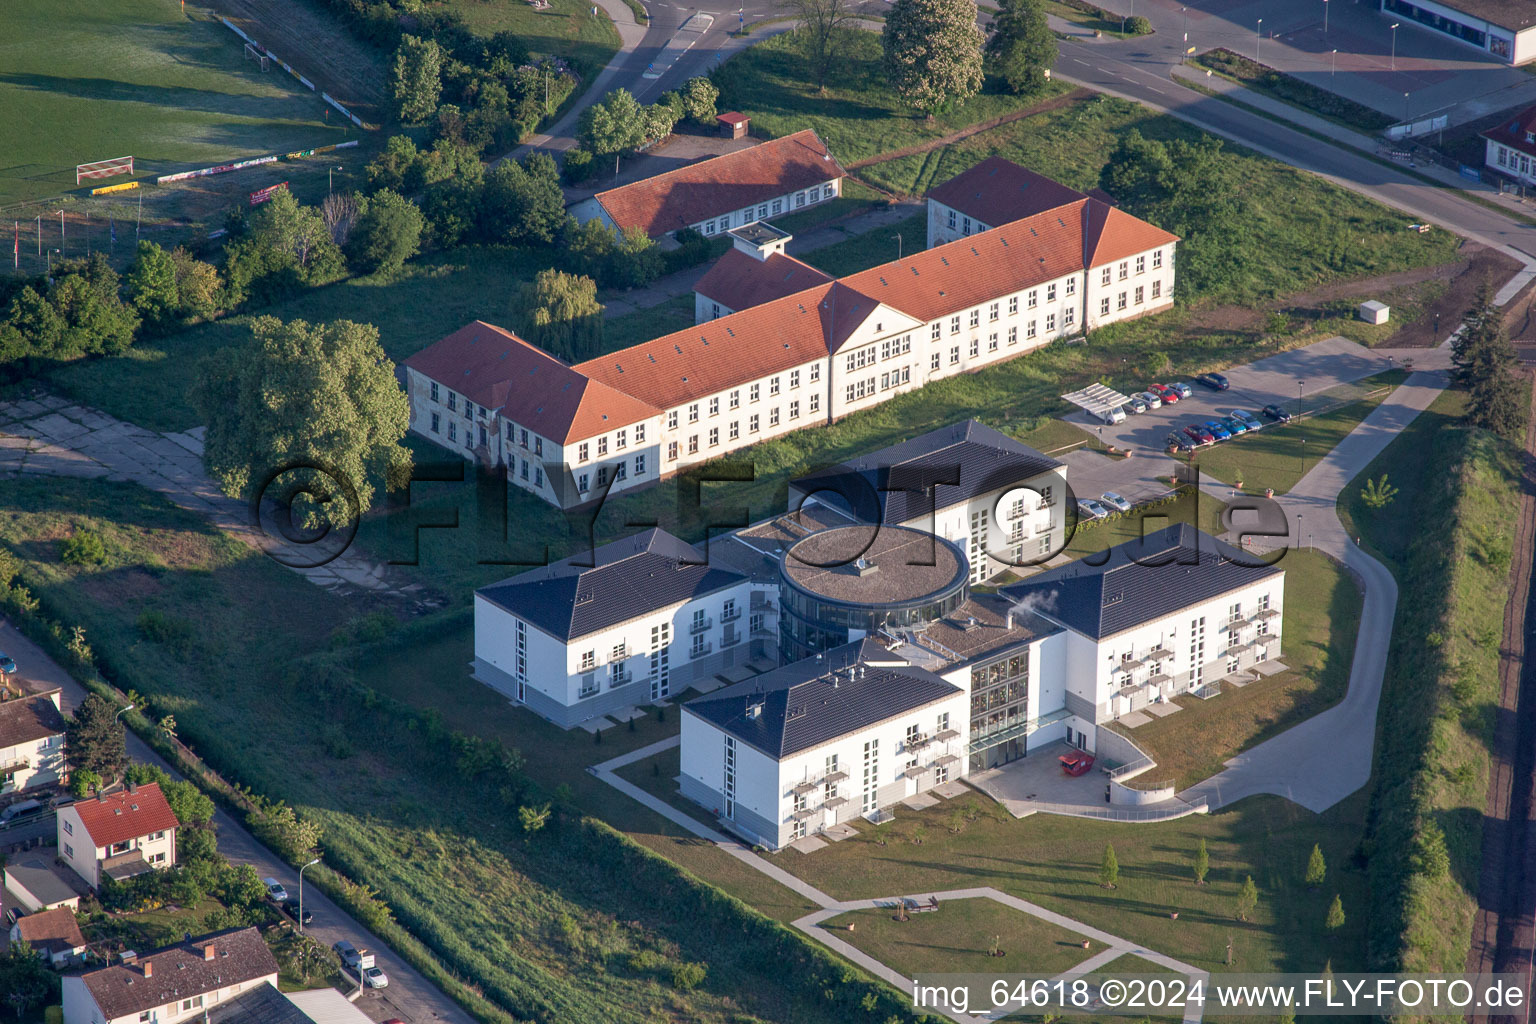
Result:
pixel 762 211
pixel 693 414
pixel 453 430
pixel 1105 278
pixel 1069 316
pixel 1013 304
pixel 620 471
pixel 672 420
pixel 735 402
pixel 1050 323
pixel 992 311
pixel 709 227
pixel 524 473
pixel 621 438
pixel 773 386
pixel 1139 297
pixel 693 444
pixel 434 391
pixel 538 477
pixel 1034 298
pixel 639 436
pixel 1104 307
pixel 794 410
pixel 436 422
pixel 510 433
pixel 735 430
pixel 794 379
pixel 581 452
pixel 482 435
pixel 965 225
pixel 602 447
pixel 975 347
pixel 1120 301
pixel 799 199
pixel 1013 335
pixel 1235 611
pixel 584 479
pixel 69 851
pixel 815 405
pixel 911 737
pixel 952 218
pixel 1030 333
pixel 954 354
pixel 1050 293
pixel 144 1016
pixel 992 342
pixel 954 324
pixel 815 372
pixel 469 407
pixel 752 423
pixel 1263 602
pixel 453 402
pixel 191 1004
pixel 934 361
pixel 602 476
pixel 754 392
pixel 1157 258
pixel 778 206
pixel 671 453
pixel 773 416
pixel 935 330
pixel 1141 264
pixel 1071 286
pixel 714 310
pixel 714 406
pixel 1125 269
pixel 538 442
pixel 975 317
pixel 714 436
pixel 1157 289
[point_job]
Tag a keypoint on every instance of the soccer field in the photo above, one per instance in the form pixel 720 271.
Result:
pixel 84 80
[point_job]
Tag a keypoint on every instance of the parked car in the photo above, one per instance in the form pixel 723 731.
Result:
pixel 1088 508
pixel 7 664
pixel 374 977
pixel 351 956
pixel 1151 399
pixel 291 908
pixel 1277 414
pixel 1181 389
pixel 275 891
pixel 1234 425
pixel 1179 443
pixel 1248 419
pixel 1135 405
pixel 14 914
pixel 1214 381
pixel 1218 431
pixel 1166 393
pixel 1115 501
pixel 1111 416
pixel 21 811
pixel 1199 434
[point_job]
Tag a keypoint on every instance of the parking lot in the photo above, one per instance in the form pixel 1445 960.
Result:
pixel 1318 368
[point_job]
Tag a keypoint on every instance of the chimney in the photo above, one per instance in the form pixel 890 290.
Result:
pixel 101 795
pixel 149 968
pixel 1008 619
pixel 133 787
pixel 208 952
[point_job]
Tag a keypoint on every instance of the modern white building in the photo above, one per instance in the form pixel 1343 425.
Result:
pixel 630 623
pixel 713 196
pixel 1002 501
pixel 1504 28
pixel 821 741
pixel 31 743
pixel 118 834
pixel 805 358
pixel 179 983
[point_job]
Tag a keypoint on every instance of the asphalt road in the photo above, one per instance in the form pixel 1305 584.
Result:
pixel 409 997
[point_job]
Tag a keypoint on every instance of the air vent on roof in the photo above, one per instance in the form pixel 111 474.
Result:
pixel 678 347
pixel 468 372
pixel 1034 232
pixel 1114 598
pixel 619 366
pixel 652 358
pixel 883 281
pixel 685 380
pixel 1004 241
pixel 729 330
pixel 503 355
pixel 755 710
pixel 584 597
pixel 974 252
pixel 944 260
pixel 1061 222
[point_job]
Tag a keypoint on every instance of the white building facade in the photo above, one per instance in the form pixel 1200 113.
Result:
pixel 31 744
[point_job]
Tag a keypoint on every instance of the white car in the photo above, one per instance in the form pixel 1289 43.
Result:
pixel 1151 400
pixel 374 977
pixel 1115 501
pixel 275 891
pixel 1088 508
pixel 1110 417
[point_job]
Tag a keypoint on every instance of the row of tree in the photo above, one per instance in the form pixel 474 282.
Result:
pixel 1485 365
pixel 619 123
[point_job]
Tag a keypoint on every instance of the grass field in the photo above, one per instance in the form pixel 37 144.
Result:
pixel 84 80
pixel 958 937
pixel 567 29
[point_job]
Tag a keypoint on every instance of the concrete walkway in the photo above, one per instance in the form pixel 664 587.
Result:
pixel 46 435
pixel 813 924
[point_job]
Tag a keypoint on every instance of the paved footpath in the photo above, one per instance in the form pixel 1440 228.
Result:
pixel 813 924
pixel 410 997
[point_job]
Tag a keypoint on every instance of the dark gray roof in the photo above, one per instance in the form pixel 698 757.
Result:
pixel 810 702
pixel 961 461
pixel 180 972
pixel 617 582
pixel 263 1004
pixel 26 719
pixel 1140 581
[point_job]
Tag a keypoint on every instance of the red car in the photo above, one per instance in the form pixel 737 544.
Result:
pixel 1167 394
pixel 1076 764
pixel 1199 434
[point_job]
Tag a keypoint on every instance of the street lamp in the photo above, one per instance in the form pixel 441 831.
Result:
pixel 1298 531
pixel 1405 108
pixel 1258 35
pixel 1334 68
pixel 301 892
pixel 1394 45
pixel 898 245
pixel 1325 17
pixel 328 172
pixel 1298 397
pixel 125 707
pixel 1185 11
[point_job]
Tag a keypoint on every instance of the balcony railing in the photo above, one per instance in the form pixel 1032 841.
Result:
pixel 622 677
pixel 917 771
pixel 730 614
pixel 700 625
pixel 945 735
pixel 699 650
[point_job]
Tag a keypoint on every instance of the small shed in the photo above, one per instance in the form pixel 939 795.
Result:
pixel 1373 312
pixel 733 124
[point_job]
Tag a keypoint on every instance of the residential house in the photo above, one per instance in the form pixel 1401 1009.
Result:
pixel 715 195
pixel 31 743
pixel 1510 147
pixel 53 934
pixel 630 623
pixel 118 834
pixel 178 983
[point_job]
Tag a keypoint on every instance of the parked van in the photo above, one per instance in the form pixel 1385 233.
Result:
pixel 1113 415
pixel 19 811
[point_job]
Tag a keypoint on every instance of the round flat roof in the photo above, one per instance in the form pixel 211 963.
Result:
pixel 875 566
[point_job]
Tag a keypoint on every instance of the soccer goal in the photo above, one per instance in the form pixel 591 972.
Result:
pixel 252 53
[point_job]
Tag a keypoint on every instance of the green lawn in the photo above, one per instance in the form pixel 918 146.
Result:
pixel 959 937
pixel 1109 25
pixel 856 198
pixel 567 29
pixel 85 80
pixel 870 248
pixel 1280 454
pixel 859 116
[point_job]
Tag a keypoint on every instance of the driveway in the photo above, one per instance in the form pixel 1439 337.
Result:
pixel 410 997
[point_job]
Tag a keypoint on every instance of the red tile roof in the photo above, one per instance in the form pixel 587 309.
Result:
pixel 723 184
pixel 1511 132
pixel 732 117
pixel 120 816
pixel 997 191
pixel 495 368
pixel 1113 234
pixel 53 930
pixel 739 281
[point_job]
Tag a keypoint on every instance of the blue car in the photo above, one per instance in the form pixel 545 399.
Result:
pixel 1235 425
pixel 1218 430
pixel 1247 418
pixel 7 664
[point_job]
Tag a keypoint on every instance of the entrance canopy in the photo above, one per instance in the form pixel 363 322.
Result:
pixel 1097 399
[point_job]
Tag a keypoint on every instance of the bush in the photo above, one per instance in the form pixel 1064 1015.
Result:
pixel 687 977
pixel 1139 26
pixel 578 166
pixel 85 548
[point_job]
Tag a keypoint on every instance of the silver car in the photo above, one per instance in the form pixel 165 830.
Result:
pixel 1150 400
pixel 1115 501
pixel 1089 508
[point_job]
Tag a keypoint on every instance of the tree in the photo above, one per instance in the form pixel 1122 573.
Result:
pixel 83 547
pixel 1431 857
pixel 932 52
pixel 699 97
pixel 1377 494
pixel 1202 862
pixel 317 400
pixel 1109 868
pixel 522 201
pixel 416 79
pixel 561 314
pixel 658 121
pixel 339 211
pixel 1247 898
pixel 1335 919
pixel 94 740
pixel 387 232
pixel 198 287
pixel 533 818
pixel 151 286
pixel 1485 362
pixel 823 34
pixel 612 125
pixel 452 202
pixel 1317 868
pixel 297 233
pixel 25 979
pixel 396 166
pixel 95 319
pixel 276 824
pixel 83 782
pixel 1022 47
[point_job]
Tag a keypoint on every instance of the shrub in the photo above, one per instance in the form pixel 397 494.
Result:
pixel 85 548
pixel 687 977
pixel 1139 26
pixel 578 166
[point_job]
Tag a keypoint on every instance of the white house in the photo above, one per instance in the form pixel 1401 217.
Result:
pixel 54 934
pixel 1000 500
pixel 1510 147
pixel 31 743
pixel 1166 614
pixel 715 195
pixel 630 623
pixel 821 741
pixel 118 834
pixel 179 983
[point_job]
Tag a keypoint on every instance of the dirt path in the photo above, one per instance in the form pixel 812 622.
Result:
pixel 1502 930
pixel 975 129
pixel 318 45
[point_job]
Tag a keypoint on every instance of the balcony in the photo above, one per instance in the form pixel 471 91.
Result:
pixel 945 735
pixel 731 614
pixel 10 768
pixel 700 650
pixel 946 761
pixel 917 742
pixel 808 786
pixel 917 771
pixel 621 677
pixel 698 626
pixel 833 803
pixel 805 813
pixel 833 778
pixel 759 601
